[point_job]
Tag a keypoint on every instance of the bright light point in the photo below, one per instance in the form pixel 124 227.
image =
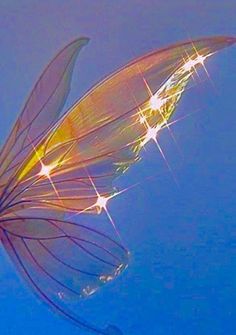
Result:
pixel 191 63
pixel 46 170
pixel 142 119
pixel 200 59
pixel 156 103
pixel 151 134
pixel 101 202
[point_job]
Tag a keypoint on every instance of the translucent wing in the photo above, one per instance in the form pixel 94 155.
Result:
pixel 74 164
pixel 103 133
pixel 63 261
pixel 41 109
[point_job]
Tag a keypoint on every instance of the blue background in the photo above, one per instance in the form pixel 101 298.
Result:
pixel 181 279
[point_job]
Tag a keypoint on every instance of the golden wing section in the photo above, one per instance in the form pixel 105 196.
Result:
pixel 103 133
pixel 40 112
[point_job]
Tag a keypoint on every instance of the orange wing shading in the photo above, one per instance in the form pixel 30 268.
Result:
pixel 103 133
pixel 71 165
pixel 41 110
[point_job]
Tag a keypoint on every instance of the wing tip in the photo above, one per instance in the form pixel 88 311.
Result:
pixel 81 41
pixel 225 40
pixel 231 40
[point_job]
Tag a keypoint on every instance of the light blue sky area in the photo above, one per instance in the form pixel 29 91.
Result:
pixel 181 279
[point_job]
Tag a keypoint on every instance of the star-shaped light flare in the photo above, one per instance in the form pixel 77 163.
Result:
pixel 156 103
pixel 192 62
pixel 151 134
pixel 46 170
pixel 101 204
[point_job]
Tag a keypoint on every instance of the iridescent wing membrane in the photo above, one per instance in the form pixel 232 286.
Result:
pixel 52 166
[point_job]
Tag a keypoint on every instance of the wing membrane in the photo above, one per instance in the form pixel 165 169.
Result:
pixel 101 135
pixel 49 168
pixel 63 262
pixel 41 109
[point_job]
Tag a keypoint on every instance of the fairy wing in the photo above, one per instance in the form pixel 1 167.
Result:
pixel 41 109
pixel 75 163
pixel 103 133
pixel 63 261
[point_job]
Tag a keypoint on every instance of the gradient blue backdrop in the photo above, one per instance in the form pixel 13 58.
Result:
pixel 181 279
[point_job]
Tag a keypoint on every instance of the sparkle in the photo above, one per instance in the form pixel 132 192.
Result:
pixel 45 170
pixel 191 63
pixel 142 119
pixel 101 202
pixel 151 134
pixel 156 103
